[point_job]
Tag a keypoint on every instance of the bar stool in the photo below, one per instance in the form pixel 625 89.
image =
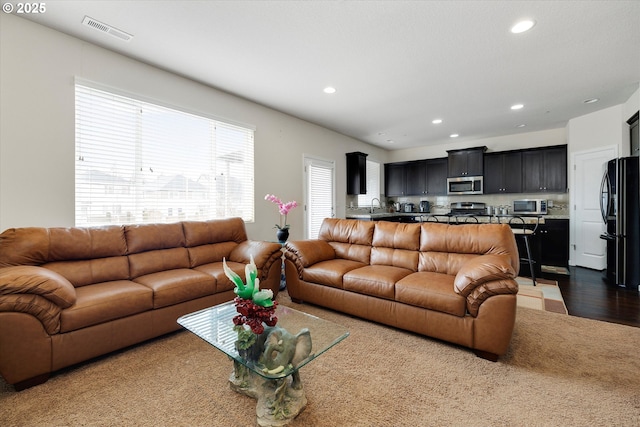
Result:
pixel 520 229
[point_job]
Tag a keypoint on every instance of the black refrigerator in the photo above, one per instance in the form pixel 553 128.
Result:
pixel 620 207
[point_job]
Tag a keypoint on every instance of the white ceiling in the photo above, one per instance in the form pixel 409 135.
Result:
pixel 396 65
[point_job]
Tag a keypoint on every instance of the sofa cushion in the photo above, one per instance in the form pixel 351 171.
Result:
pixel 375 280
pixel 350 239
pixel 216 271
pixel 346 231
pixel 396 235
pixel 461 242
pixel 213 252
pixel 149 237
pixel 433 291
pixel 36 245
pixel 330 273
pixel 102 302
pixel 159 260
pixel 358 253
pixel 199 233
pixel 176 286
pixel 86 242
pixel 89 271
pixel 395 257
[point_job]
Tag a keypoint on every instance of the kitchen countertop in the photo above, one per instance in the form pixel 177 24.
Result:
pixel 481 218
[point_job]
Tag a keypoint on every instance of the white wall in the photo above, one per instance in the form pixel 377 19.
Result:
pixel 37 136
pixel 598 129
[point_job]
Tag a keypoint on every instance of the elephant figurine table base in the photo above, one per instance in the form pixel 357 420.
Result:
pixel 282 398
pixel 278 402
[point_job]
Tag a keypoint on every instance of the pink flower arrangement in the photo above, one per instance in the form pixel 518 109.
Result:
pixel 283 208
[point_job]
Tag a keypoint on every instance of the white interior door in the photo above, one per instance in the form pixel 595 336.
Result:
pixel 588 166
pixel 319 194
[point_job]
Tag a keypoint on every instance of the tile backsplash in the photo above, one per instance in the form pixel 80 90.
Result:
pixel 558 202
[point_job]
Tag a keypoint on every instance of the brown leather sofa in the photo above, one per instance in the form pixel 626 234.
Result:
pixel 451 282
pixel 70 294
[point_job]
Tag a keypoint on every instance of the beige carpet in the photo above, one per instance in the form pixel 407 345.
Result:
pixel 545 295
pixel 560 371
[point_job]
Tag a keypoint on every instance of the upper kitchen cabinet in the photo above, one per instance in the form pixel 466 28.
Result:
pixel 466 162
pixel 416 178
pixel 545 170
pixel 437 176
pixel 503 172
pixel 395 179
pixel 356 173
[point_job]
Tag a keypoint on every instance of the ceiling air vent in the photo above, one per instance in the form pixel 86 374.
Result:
pixel 104 28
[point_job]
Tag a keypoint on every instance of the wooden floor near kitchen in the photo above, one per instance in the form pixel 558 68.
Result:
pixel 587 294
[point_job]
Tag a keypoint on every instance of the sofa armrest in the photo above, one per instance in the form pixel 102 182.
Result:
pixel 488 289
pixel 483 277
pixel 37 291
pixel 304 253
pixel 482 269
pixel 28 279
pixel 264 255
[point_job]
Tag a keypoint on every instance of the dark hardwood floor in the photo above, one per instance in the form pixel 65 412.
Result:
pixel 587 294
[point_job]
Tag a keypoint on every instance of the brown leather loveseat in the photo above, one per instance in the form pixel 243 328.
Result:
pixel 71 294
pixel 451 282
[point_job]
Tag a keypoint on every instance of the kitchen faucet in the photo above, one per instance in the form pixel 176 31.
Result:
pixel 379 204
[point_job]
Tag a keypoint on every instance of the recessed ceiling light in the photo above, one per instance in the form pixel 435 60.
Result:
pixel 591 100
pixel 437 121
pixel 520 125
pixel 390 141
pixel 523 26
pixel 454 135
pixel 517 106
pixel 329 89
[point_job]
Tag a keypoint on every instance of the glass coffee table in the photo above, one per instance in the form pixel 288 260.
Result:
pixel 267 370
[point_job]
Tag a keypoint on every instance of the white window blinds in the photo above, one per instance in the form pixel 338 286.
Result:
pixel 373 185
pixel 320 194
pixel 137 162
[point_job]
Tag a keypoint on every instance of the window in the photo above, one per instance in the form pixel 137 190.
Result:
pixel 373 184
pixel 319 194
pixel 137 162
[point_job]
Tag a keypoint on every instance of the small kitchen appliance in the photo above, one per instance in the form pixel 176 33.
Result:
pixel 529 207
pixel 408 207
pixel 424 206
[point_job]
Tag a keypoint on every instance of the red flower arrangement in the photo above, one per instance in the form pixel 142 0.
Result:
pixel 253 315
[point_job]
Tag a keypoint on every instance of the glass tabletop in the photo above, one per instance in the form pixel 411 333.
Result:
pixel 215 326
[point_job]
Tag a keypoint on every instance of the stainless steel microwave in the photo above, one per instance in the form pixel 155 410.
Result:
pixel 530 206
pixel 465 185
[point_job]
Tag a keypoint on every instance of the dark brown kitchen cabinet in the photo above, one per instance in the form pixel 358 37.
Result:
pixel 466 162
pixel 437 176
pixel 395 179
pixel 503 172
pixel 421 178
pixel 356 173
pixel 416 178
pixel 545 170
pixel 554 242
